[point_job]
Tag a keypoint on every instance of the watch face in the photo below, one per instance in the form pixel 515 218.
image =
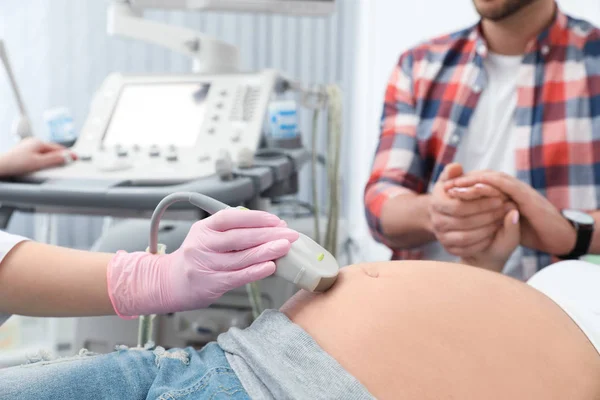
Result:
pixel 578 216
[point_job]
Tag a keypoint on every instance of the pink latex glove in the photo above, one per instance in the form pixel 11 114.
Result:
pixel 220 253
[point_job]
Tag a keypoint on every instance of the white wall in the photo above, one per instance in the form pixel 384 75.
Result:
pixel 386 28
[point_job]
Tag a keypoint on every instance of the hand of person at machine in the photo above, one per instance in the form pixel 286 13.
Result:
pixel 220 253
pixel 466 226
pixel 542 226
pixel 30 155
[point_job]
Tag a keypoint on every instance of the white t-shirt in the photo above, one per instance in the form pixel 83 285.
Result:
pixel 490 140
pixel 7 242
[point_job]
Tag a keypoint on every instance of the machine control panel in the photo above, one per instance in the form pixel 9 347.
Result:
pixel 164 129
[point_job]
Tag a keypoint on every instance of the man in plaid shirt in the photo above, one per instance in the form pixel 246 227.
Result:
pixel 502 115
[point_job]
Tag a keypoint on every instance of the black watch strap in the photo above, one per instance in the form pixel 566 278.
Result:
pixel 584 234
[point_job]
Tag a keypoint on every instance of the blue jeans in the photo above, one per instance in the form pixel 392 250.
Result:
pixel 127 374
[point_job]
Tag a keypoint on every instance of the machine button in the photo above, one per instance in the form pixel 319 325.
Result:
pixel 216 118
pixel 211 131
pixel 236 137
pixel 172 157
pixel 154 151
pixel 224 93
pixel 220 106
pixel 122 152
pixel 136 147
pixel 85 157
pixel 172 148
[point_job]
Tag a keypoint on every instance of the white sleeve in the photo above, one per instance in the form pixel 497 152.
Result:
pixel 7 242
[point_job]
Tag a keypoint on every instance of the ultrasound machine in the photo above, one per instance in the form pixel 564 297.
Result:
pixel 147 136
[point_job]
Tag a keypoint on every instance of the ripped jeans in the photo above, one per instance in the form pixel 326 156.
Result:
pixel 126 374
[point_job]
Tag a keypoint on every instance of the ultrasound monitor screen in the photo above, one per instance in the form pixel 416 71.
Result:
pixel 159 114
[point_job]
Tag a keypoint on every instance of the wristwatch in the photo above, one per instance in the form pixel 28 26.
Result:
pixel 584 228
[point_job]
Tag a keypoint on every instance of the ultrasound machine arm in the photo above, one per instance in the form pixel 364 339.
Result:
pixel 125 18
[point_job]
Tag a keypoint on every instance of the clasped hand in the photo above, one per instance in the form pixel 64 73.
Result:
pixel 543 227
pixel 473 223
pixel 484 208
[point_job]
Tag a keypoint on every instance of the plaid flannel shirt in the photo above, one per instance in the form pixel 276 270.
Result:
pixel 434 90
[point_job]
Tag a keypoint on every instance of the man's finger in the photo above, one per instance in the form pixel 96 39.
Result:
pixel 472 250
pixel 467 238
pixel 451 171
pixel 444 223
pixel 459 208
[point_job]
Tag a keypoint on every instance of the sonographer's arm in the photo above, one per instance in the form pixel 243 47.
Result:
pixel 30 155
pixel 42 280
pixel 220 253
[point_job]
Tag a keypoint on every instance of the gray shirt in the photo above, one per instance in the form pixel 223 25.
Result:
pixel 276 359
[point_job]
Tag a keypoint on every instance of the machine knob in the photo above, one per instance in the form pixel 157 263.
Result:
pixel 245 158
pixel 224 166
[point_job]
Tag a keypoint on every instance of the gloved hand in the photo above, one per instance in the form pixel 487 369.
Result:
pixel 220 253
